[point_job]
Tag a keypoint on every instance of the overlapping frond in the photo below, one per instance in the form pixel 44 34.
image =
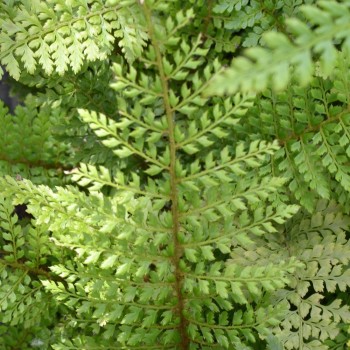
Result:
pixel 312 125
pixel 255 17
pixel 320 242
pixel 27 146
pixel 60 35
pixel 176 232
pixel 150 266
pixel 318 37
pixel 23 252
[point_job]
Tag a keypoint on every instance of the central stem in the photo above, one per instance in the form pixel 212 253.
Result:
pixel 173 184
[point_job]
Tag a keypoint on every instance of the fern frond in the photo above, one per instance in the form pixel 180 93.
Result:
pixel 254 17
pixel 27 147
pixel 323 271
pixel 56 35
pixel 22 255
pixel 96 178
pixel 119 142
pixel 176 229
pixel 246 13
pixel 312 125
pixel 271 66
pixel 164 223
pixel 63 95
pixel 319 240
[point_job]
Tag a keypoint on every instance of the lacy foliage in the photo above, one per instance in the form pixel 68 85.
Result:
pixel 324 29
pixel 142 209
pixel 57 35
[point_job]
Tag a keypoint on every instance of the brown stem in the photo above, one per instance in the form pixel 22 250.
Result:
pixel 208 17
pixel 35 163
pixel 294 136
pixel 173 183
pixel 34 271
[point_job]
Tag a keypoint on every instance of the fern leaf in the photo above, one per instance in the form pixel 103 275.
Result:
pixel 270 66
pixel 58 36
pixel 140 255
pixel 319 240
pixel 314 134
pixel 27 149
pixel 20 288
pixel 175 230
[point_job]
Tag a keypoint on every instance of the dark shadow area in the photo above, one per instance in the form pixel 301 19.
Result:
pixel 10 101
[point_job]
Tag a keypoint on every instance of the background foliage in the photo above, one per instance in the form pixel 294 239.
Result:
pixel 176 176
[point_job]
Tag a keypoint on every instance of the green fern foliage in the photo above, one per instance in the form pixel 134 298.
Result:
pixel 311 124
pixel 325 256
pixel 153 198
pixel 27 146
pixel 60 35
pixel 320 243
pixel 329 24
pixel 184 280
pixel 25 305
pixel 255 17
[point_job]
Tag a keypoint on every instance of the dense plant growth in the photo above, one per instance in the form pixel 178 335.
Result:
pixel 177 175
